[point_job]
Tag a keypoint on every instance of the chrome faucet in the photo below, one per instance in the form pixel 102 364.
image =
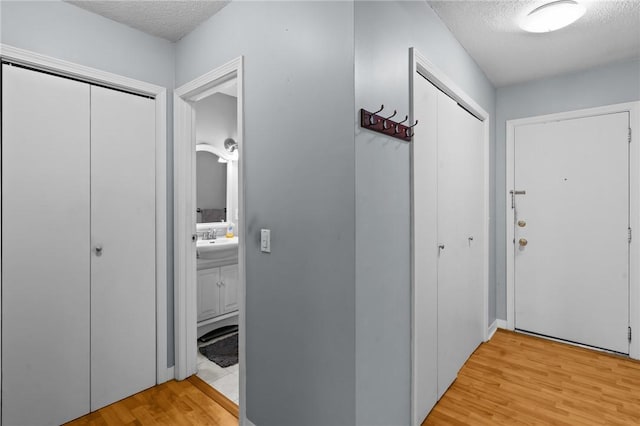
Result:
pixel 212 234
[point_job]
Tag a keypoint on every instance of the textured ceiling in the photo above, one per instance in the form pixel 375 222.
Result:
pixel 168 19
pixel 608 32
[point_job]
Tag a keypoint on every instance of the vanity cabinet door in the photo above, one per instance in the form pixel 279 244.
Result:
pixel 229 289
pixel 208 293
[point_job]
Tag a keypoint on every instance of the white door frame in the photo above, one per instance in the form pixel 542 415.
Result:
pixel 419 64
pixel 63 68
pixel 185 218
pixel 634 197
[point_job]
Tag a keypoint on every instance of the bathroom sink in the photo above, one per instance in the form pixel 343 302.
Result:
pixel 217 252
pixel 217 244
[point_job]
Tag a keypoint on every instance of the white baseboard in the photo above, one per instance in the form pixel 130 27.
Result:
pixel 168 375
pixel 246 422
pixel 497 323
pixel 492 330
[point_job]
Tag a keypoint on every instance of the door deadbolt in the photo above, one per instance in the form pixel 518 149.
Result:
pixel 522 223
pixel 523 242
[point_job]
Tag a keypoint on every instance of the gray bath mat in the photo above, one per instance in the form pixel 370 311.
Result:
pixel 223 352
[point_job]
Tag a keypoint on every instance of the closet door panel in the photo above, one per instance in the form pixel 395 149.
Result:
pixel 424 172
pixel 45 242
pixel 476 245
pixel 459 299
pixel 123 332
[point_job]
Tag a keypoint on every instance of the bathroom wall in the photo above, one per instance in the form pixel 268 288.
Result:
pixel 216 119
pixel 384 32
pixel 299 171
pixel 606 85
pixel 64 31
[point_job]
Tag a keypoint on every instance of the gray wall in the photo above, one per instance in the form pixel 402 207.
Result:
pixel 67 32
pixel 384 31
pixel 299 171
pixel 611 84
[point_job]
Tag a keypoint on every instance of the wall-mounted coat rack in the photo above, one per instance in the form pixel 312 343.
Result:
pixel 386 126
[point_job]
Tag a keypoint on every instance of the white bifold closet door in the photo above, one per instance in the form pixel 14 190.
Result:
pixel 123 295
pixel 78 240
pixel 448 242
pixel 45 248
pixel 460 217
pixel 424 170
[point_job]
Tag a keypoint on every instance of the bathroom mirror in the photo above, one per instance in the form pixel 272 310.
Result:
pixel 216 159
pixel 211 187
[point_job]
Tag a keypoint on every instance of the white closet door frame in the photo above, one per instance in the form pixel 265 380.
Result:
pixel 185 283
pixel 91 75
pixel 421 67
pixel 633 108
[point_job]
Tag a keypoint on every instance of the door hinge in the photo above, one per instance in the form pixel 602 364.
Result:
pixel 629 334
pixel 629 134
pixel 629 235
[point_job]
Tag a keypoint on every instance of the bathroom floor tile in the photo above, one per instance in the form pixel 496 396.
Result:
pixel 224 380
pixel 229 386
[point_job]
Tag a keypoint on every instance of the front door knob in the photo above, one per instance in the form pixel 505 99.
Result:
pixel 522 223
pixel 523 242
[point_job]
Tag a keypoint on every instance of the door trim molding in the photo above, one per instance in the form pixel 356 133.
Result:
pixel 91 75
pixel 634 205
pixel 185 284
pixel 419 64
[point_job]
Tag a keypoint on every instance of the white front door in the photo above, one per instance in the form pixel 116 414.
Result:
pixel 571 232
pixel 123 304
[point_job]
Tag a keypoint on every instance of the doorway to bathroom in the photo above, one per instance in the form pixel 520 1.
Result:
pixel 209 247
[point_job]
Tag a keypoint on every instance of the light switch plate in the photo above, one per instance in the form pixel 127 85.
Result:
pixel 265 240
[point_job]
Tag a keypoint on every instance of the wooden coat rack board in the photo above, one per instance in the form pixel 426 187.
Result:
pixel 386 126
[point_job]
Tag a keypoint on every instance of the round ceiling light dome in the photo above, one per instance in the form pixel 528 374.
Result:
pixel 552 16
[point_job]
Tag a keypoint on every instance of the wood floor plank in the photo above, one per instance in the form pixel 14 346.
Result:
pixel 172 403
pixel 516 379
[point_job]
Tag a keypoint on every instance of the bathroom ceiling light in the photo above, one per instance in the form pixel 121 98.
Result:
pixel 552 16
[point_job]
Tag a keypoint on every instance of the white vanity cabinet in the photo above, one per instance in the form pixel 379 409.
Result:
pixel 217 291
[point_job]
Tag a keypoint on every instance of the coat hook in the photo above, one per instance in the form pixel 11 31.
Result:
pixel 406 131
pixel 372 120
pixel 397 129
pixel 384 123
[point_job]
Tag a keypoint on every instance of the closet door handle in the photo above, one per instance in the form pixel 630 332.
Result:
pixel 441 247
pixel 98 250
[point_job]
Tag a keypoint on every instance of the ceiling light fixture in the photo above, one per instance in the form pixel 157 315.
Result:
pixel 552 16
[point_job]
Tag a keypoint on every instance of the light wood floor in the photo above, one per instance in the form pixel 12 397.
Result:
pixel 516 379
pixel 172 403
pixel 512 380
